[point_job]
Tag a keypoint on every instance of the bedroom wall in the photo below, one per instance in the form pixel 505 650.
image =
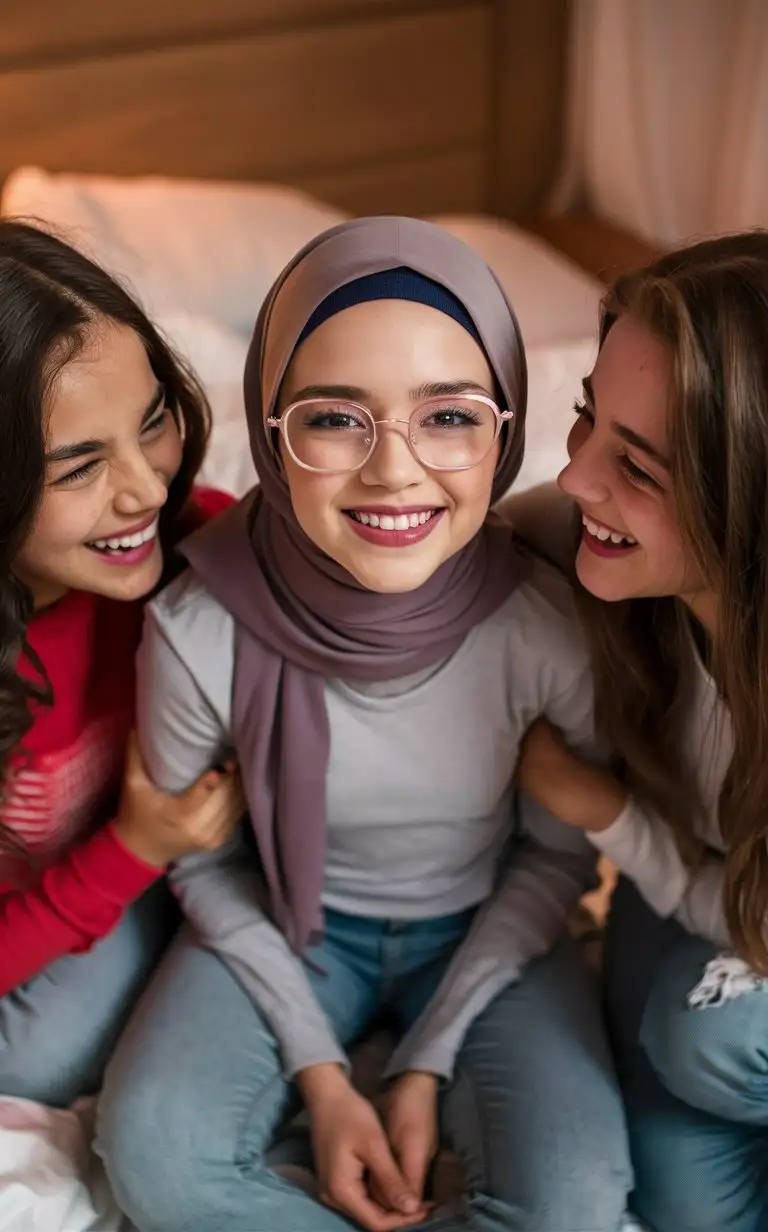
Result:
pixel 410 105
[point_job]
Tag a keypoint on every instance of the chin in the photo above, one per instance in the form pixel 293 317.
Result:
pixel 126 584
pixel 605 581
pixel 393 578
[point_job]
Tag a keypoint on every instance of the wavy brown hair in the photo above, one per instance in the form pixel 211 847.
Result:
pixel 708 304
pixel 50 297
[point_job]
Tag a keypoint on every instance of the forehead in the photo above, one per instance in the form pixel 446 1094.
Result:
pixel 630 380
pixel 109 380
pixel 365 343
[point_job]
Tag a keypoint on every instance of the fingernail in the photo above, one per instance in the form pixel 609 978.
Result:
pixel 408 1205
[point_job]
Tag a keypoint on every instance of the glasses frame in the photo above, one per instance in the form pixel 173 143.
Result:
pixel 280 422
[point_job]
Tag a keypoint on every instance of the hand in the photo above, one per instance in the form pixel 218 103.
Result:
pixel 160 828
pixel 409 1113
pixel 579 793
pixel 352 1156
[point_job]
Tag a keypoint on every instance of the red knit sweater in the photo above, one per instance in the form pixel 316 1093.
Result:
pixel 63 787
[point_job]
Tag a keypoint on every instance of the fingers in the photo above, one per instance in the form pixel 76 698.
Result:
pixel 415 1155
pixel 349 1195
pixel 390 1183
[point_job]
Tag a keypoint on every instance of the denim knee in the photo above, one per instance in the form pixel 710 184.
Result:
pixel 40 1064
pixel 714 1058
pixel 149 1181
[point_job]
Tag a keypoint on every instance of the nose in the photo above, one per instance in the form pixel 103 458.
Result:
pixel 392 465
pixel 585 478
pixel 138 487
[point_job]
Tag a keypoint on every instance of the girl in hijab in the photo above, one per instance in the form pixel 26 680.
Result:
pixel 373 647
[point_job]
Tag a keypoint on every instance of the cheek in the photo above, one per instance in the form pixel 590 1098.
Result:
pixel 165 454
pixel 470 491
pixel 660 535
pixel 312 498
pixel 65 521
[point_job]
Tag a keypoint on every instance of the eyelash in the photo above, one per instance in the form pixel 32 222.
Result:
pixel 84 471
pixel 632 472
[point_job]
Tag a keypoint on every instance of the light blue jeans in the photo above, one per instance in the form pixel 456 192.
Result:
pixel 695 1080
pixel 58 1030
pixel 194 1096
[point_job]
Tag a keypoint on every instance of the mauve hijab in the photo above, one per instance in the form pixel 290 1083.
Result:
pixel 300 618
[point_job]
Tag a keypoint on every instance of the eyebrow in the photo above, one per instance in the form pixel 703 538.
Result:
pixel 81 449
pixel 627 434
pixel 355 393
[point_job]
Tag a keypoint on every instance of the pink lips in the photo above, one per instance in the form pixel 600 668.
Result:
pixel 395 538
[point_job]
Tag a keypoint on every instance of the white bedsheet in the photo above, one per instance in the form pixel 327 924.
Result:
pixel 49 1179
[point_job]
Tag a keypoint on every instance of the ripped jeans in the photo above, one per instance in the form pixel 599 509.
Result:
pixel 695 1080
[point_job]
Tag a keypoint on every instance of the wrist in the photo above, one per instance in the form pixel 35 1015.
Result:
pixel 318 1082
pixel 140 846
pixel 418 1079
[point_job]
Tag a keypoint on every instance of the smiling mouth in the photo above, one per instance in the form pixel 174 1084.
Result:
pixel 388 521
pixel 603 541
pixel 606 536
pixel 121 544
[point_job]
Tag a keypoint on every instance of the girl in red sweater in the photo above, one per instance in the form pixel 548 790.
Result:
pixel 102 431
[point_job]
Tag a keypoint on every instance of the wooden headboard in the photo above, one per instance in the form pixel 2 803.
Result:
pixel 411 106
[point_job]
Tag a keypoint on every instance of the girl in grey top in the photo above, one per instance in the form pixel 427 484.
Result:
pixel 374 648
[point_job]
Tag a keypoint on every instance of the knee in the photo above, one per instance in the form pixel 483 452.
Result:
pixel 147 1159
pixel 588 1196
pixel 713 1058
pixel 45 1067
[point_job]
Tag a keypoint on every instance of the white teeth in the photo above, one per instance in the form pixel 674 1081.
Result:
pixel 604 534
pixel 125 542
pixel 388 521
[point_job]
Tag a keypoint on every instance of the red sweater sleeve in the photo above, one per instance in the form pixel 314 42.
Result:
pixel 78 900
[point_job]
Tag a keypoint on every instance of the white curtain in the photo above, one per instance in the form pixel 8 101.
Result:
pixel 668 116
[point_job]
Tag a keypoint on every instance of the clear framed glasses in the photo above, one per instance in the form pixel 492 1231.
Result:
pixel 332 436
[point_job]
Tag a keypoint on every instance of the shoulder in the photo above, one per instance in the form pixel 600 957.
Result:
pixel 539 635
pixel 545 519
pixel 542 608
pixel 187 615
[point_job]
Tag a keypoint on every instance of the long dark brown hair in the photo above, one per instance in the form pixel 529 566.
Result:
pixel 708 304
pixel 50 296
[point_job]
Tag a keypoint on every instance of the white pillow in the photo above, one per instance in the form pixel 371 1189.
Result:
pixel 555 372
pixel 553 298
pixel 217 356
pixel 214 248
pixel 205 247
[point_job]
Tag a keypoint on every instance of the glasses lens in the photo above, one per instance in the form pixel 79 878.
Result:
pixel 328 435
pixel 453 432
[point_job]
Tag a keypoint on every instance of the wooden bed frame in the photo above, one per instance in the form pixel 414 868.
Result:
pixel 406 106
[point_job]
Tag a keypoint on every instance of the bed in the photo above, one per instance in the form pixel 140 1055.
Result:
pixel 193 147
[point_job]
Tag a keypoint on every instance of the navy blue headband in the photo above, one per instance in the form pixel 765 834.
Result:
pixel 398 283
